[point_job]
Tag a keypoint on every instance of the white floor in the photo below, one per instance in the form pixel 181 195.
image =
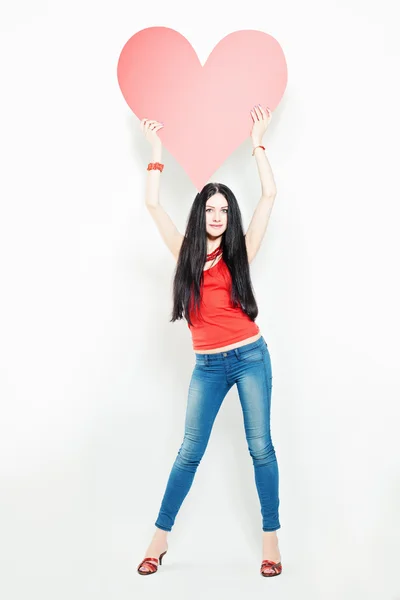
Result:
pixel 61 542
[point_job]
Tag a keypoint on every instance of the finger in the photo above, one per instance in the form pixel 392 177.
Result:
pixel 158 127
pixel 262 112
pixel 252 116
pixel 150 125
pixel 269 111
pixel 259 115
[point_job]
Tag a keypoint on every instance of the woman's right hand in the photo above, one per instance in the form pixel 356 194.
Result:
pixel 150 129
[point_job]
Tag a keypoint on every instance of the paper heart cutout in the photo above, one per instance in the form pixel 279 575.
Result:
pixel 205 109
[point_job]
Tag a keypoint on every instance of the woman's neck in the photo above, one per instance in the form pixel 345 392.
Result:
pixel 213 245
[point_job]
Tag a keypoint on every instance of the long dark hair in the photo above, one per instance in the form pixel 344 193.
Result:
pixel 193 253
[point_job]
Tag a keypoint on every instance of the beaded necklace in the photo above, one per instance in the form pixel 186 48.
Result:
pixel 214 253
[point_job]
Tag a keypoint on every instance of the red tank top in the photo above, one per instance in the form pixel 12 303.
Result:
pixel 219 323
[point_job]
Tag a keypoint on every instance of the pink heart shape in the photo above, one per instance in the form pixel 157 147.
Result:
pixel 205 109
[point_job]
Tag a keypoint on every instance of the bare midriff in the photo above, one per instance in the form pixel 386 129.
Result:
pixel 231 346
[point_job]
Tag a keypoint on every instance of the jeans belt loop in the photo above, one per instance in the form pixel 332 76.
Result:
pixel 237 353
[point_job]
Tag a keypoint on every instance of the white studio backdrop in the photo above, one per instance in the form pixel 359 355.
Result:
pixel 94 377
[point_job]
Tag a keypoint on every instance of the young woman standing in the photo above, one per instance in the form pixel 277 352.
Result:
pixel 212 290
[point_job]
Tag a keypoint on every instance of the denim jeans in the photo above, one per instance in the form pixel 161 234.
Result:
pixel 249 366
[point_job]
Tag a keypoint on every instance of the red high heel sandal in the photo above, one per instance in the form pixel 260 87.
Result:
pixel 275 567
pixel 153 567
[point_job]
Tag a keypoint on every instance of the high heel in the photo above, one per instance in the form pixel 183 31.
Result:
pixel 153 567
pixel 275 566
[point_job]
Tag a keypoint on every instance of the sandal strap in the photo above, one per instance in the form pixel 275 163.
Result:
pixel 150 558
pixel 275 566
pixel 148 562
pixel 270 562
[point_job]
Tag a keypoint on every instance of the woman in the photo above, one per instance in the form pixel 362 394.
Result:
pixel 212 290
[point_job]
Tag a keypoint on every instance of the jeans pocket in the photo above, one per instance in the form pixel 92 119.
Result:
pixel 253 355
pixel 200 362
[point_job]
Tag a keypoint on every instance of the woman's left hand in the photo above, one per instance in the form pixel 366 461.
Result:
pixel 261 120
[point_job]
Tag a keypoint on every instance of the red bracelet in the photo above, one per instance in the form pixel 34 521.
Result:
pixel 263 147
pixel 155 165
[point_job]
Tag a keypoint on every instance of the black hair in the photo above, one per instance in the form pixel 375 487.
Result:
pixel 193 253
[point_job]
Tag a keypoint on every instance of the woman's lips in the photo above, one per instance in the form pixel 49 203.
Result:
pixel 216 226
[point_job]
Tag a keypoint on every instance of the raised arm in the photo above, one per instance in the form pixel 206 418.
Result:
pixel 169 233
pixel 259 221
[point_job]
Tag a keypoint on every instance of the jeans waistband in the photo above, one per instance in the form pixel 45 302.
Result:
pixel 216 356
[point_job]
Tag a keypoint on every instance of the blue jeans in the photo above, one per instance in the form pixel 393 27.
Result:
pixel 248 366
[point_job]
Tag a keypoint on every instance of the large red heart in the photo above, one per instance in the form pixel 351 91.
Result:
pixel 205 109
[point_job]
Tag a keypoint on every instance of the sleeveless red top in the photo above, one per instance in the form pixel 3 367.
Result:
pixel 219 323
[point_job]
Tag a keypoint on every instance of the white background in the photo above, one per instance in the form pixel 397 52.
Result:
pixel 94 377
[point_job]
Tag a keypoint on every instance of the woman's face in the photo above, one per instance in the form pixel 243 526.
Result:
pixel 216 215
